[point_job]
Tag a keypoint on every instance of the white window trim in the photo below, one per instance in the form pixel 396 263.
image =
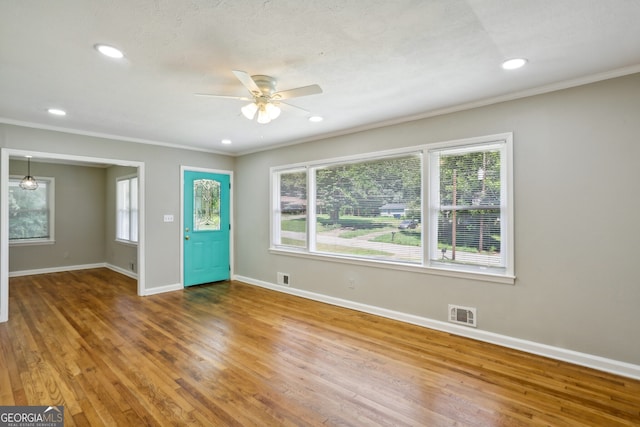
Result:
pixel 52 215
pixel 127 242
pixel 503 142
pixel 427 267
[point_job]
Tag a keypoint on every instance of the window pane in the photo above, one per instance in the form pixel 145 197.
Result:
pixel 127 209
pixel 371 209
pixel 206 205
pixel 122 220
pixel 469 217
pixel 28 211
pixel 133 215
pixel 293 209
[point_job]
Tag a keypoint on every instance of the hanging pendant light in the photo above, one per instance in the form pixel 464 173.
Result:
pixel 28 182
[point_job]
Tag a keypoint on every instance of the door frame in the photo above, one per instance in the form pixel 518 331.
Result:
pixel 184 169
pixel 5 154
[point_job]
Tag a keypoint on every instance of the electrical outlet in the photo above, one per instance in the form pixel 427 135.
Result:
pixel 352 284
pixel 284 279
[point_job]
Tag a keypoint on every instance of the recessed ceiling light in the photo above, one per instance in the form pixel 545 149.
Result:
pixel 226 141
pixel 315 119
pixel 513 64
pixel 57 112
pixel 109 51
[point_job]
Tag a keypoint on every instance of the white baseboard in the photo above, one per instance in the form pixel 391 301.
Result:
pixel 121 270
pixel 163 289
pixel 55 269
pixel 583 359
pixel 73 268
pixel 152 291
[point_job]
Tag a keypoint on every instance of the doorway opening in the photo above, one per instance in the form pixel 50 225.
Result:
pixel 5 155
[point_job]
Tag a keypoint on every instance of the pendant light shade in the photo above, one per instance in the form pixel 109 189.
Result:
pixel 28 182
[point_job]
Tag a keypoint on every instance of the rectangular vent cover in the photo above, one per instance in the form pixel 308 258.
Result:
pixel 463 315
pixel 283 279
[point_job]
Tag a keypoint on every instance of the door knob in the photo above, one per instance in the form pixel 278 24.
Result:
pixel 186 237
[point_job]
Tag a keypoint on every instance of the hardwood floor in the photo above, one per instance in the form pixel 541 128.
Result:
pixel 231 354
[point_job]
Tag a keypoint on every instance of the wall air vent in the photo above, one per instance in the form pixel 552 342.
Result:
pixel 463 315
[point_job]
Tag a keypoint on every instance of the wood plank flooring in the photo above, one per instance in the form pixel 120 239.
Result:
pixel 231 354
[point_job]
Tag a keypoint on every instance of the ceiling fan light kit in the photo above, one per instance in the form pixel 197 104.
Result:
pixel 265 100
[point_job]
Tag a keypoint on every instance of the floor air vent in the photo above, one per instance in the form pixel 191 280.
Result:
pixel 463 315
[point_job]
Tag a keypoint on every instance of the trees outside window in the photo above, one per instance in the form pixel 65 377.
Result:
pixel 292 208
pixel 388 207
pixel 468 206
pixel 31 211
pixel 347 215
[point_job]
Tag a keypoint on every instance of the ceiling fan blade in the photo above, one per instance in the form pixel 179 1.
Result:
pixel 292 109
pixel 248 82
pixel 297 92
pixel 240 98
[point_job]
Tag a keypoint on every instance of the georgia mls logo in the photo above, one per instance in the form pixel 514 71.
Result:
pixel 31 416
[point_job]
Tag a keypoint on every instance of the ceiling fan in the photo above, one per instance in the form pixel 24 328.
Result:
pixel 265 100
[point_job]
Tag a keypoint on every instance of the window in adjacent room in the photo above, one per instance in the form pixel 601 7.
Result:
pixel 31 212
pixel 127 209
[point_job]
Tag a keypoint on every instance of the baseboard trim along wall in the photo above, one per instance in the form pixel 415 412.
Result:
pixel 72 268
pixel 121 270
pixel 163 289
pixel 151 291
pixel 60 269
pixel 583 359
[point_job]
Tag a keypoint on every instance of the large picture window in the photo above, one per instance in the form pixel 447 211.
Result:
pixel 127 209
pixel 452 199
pixel 361 208
pixel 370 208
pixel 31 212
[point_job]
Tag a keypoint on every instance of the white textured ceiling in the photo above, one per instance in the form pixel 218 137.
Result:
pixel 378 61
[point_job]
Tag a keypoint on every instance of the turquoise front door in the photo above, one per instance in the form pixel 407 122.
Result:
pixel 206 227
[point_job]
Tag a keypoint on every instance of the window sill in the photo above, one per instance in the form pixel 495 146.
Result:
pixel 470 275
pixel 31 242
pixel 127 243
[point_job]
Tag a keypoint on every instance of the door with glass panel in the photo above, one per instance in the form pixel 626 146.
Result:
pixel 206 227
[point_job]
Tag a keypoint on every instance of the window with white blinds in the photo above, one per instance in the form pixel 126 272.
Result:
pixel 457 204
pixel 291 208
pixel 127 209
pixel 468 206
pixel 370 209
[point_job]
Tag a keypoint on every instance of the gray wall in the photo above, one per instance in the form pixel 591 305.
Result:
pixel 576 226
pixel 84 219
pixel 79 218
pixel 162 176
